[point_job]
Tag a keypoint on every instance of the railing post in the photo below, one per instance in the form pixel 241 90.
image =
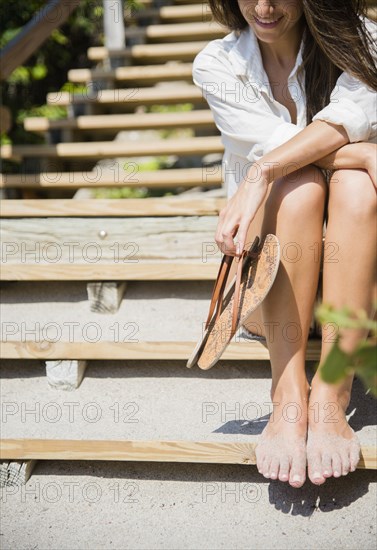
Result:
pixel 113 22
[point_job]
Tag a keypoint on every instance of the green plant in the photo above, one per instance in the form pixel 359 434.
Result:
pixel 363 360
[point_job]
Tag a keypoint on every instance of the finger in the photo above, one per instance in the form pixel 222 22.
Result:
pixel 228 242
pixel 242 235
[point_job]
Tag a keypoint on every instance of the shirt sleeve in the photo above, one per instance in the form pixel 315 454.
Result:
pixel 244 117
pixel 353 104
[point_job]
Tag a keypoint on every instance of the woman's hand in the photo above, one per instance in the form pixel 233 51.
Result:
pixel 240 210
pixel 360 155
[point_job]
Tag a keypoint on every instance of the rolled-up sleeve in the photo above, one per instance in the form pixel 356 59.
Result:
pixel 353 104
pixel 247 124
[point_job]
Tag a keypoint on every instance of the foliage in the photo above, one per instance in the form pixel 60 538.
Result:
pixel 363 360
pixel 45 71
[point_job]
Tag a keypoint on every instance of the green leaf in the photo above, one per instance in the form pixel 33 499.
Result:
pixel 345 318
pixel 20 75
pixel 39 71
pixel 365 360
pixel 336 365
pixel 59 37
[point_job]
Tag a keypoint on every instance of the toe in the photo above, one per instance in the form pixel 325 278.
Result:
pixel 274 468
pixel 315 468
pixel 354 455
pixel 326 465
pixel 345 458
pixel 284 469
pixel 297 473
pixel 259 455
pixel 336 465
pixel 266 467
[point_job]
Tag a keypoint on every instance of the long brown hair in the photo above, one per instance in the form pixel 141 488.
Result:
pixel 335 40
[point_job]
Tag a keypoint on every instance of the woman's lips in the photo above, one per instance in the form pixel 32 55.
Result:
pixel 268 25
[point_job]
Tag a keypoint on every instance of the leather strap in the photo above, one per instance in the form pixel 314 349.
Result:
pixel 218 289
pixel 221 280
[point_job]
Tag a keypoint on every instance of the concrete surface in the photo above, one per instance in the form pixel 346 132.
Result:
pixel 134 505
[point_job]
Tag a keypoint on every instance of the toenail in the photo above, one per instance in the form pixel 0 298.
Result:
pixel 296 478
pixel 317 475
pixel 326 473
pixel 336 474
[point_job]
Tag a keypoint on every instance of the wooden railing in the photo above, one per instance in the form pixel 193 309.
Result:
pixel 34 33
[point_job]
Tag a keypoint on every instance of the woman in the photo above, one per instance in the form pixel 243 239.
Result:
pixel 292 90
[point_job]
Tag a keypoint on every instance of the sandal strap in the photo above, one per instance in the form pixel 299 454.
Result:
pixel 218 289
pixel 221 280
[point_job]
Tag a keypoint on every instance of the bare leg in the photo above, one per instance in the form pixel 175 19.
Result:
pixel 348 276
pixel 294 212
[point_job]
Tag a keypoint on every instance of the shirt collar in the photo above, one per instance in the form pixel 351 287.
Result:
pixel 247 60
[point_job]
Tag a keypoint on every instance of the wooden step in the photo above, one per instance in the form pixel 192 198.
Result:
pixel 188 177
pixel 144 74
pixel 149 53
pixel 165 95
pixel 210 417
pixel 201 118
pixel 178 32
pixel 204 452
pixel 195 12
pixel 150 206
pixel 189 12
pixel 136 350
pixel 146 271
pixel 111 248
pixel 112 149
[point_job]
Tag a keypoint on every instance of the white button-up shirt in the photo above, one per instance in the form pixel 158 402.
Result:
pixel 252 123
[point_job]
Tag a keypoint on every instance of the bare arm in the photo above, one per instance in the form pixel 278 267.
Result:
pixel 319 143
pixel 352 156
pixel 324 145
pixel 318 140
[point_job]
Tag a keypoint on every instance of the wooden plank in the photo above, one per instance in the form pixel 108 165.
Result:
pixel 130 96
pixel 136 121
pixel 190 12
pixel 113 149
pixel 236 350
pixel 105 297
pixel 101 242
pixel 141 271
pixel 209 176
pixel 160 206
pixel 179 32
pixel 176 32
pixel 151 451
pixel 206 452
pixel 65 375
pixel 34 33
pixel 158 53
pixel 16 473
pixel 135 75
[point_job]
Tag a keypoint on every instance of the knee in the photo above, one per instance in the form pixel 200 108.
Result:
pixel 301 193
pixel 353 194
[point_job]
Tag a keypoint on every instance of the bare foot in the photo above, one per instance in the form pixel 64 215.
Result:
pixel 333 448
pixel 281 448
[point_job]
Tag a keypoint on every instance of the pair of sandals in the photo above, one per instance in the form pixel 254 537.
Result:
pixel 256 272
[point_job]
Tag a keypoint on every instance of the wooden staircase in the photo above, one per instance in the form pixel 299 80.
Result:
pixel 56 231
